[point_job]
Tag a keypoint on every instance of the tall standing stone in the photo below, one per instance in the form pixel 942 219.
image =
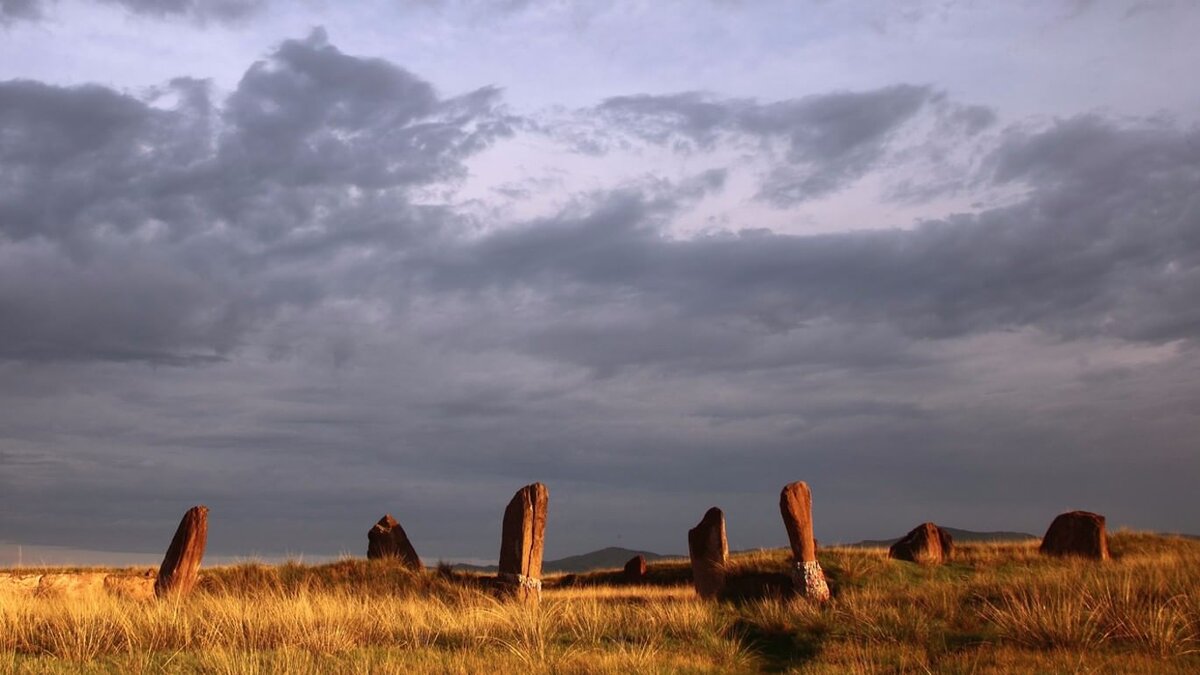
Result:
pixel 795 503
pixel 1077 533
pixel 388 540
pixel 181 566
pixel 709 551
pixel 926 543
pixel 522 541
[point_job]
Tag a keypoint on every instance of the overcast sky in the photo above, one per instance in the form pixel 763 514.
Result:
pixel 308 263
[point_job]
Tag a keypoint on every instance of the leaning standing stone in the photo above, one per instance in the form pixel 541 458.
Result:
pixel 521 543
pixel 926 543
pixel 180 567
pixel 388 540
pixel 795 504
pixel 1077 533
pixel 709 551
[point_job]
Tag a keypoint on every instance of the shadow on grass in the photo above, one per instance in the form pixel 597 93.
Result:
pixel 780 650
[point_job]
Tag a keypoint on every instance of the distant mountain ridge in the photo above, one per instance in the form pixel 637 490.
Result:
pixel 962 536
pixel 613 556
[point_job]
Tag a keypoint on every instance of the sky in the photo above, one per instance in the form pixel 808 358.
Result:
pixel 310 262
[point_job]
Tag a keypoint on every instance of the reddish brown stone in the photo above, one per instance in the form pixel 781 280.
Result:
pixel 795 505
pixel 522 542
pixel 926 543
pixel 635 569
pixel 181 566
pixel 1077 533
pixel 388 540
pixel 709 551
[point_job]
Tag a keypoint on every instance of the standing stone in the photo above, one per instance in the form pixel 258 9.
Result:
pixel 926 543
pixel 180 567
pixel 795 503
pixel 388 540
pixel 521 543
pixel 1077 533
pixel 709 551
pixel 635 569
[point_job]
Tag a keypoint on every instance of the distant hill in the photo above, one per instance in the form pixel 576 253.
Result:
pixel 613 556
pixel 961 536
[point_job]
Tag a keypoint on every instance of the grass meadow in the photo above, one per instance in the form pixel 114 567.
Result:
pixel 997 608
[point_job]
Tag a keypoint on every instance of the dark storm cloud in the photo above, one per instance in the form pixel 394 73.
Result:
pixel 134 231
pixel 226 206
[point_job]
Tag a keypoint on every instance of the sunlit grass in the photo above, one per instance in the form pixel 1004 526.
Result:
pixel 996 608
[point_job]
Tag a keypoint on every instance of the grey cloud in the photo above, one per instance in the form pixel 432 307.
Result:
pixel 638 439
pixel 221 10
pixel 135 231
pixel 826 141
pixel 312 115
pixel 15 10
pixel 227 208
pixel 197 10
pixel 354 351
pixel 1106 243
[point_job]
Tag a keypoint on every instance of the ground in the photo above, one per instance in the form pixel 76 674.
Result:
pixel 996 608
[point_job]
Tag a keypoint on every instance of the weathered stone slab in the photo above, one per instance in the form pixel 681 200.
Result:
pixel 1077 533
pixel 709 551
pixel 387 540
pixel 926 543
pixel 131 586
pixel 80 585
pixel 522 542
pixel 19 584
pixel 181 565
pixel 635 569
pixel 795 505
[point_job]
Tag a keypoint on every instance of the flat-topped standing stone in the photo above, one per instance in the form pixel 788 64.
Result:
pixel 1077 533
pixel 635 569
pixel 180 567
pixel 522 541
pixel 795 504
pixel 388 540
pixel 926 543
pixel 709 551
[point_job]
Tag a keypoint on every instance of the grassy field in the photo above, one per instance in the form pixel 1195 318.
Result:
pixel 997 608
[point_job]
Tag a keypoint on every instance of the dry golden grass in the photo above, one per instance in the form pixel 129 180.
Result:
pixel 997 608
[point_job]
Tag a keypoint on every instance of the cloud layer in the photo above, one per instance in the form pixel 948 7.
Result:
pixel 281 300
